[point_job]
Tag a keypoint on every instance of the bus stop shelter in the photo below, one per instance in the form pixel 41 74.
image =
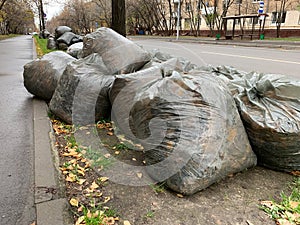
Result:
pixel 256 19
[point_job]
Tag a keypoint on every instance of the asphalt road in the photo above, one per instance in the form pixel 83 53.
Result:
pixel 262 60
pixel 16 135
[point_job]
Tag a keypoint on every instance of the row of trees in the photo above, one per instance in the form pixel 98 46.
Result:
pixel 157 15
pixel 84 16
pixel 16 16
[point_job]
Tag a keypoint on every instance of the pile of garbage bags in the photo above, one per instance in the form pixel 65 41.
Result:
pixel 63 38
pixel 197 125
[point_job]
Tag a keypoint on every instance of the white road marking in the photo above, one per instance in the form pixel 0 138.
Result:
pixel 252 57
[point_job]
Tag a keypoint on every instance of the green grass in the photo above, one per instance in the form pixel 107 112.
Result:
pixel 41 45
pixel 288 209
pixel 284 39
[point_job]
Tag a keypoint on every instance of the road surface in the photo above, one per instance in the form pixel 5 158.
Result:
pixel 16 135
pixel 262 60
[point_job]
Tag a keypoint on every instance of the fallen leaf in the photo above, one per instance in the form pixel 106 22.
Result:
pixel 71 178
pixel 81 181
pixel 109 220
pixel 117 152
pixel 139 175
pixel 126 222
pixel 94 186
pixel 107 155
pixel 79 220
pixel 179 195
pixel 133 159
pixel 295 173
pixel 110 133
pixel 294 204
pixel 106 199
pixel 103 179
pixel 74 202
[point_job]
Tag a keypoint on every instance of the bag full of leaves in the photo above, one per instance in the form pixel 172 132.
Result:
pixel 42 75
pixel 187 123
pixel 119 54
pixel 269 105
pixel 81 96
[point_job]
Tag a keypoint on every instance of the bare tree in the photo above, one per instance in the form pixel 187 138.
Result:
pixel 103 15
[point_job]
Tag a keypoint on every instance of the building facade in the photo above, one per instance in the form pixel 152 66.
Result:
pixel 208 14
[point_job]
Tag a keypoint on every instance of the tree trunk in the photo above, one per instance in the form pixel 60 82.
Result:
pixel 118 17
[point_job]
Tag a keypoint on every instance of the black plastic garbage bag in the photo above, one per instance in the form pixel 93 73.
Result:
pixel 81 96
pixel 119 54
pixel 60 30
pixel 66 38
pixel 188 124
pixel 51 43
pixel 269 105
pixel 42 75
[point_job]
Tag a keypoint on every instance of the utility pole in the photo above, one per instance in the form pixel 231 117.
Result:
pixel 118 17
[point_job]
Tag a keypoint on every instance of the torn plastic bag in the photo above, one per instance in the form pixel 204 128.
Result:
pixel 42 75
pixel 81 96
pixel 188 125
pixel 269 105
pixel 119 54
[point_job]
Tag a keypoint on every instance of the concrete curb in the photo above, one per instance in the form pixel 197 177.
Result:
pixel 51 205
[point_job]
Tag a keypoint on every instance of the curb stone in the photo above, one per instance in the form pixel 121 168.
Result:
pixel 51 205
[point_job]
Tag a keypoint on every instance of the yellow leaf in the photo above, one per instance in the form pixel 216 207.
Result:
pixel 106 199
pixel 103 179
pixel 79 220
pixel 81 181
pixel 126 222
pixel 179 195
pixel 139 175
pixel 74 202
pixel 94 186
pixel 71 177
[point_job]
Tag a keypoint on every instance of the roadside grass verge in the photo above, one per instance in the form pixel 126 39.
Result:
pixel 41 46
pixel 284 39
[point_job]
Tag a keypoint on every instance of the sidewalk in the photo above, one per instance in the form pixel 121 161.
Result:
pixel 288 45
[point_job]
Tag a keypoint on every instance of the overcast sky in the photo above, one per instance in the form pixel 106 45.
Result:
pixel 52 9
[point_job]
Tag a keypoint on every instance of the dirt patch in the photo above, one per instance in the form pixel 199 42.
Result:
pixel 233 201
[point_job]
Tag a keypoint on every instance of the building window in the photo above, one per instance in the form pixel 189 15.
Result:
pixel 275 17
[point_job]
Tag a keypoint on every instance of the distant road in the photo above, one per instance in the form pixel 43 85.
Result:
pixel 265 60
